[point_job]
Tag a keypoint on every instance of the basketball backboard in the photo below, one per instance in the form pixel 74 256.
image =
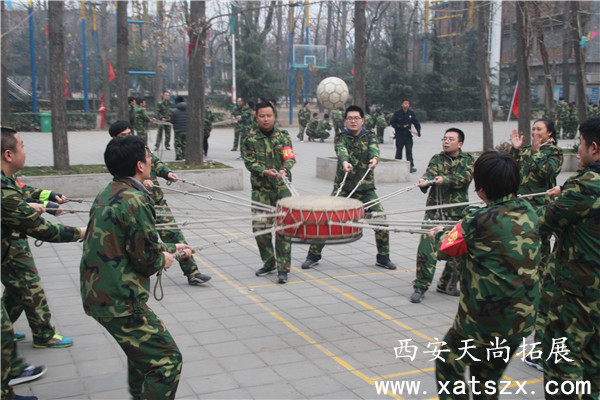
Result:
pixel 310 55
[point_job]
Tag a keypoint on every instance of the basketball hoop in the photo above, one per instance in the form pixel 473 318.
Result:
pixel 311 69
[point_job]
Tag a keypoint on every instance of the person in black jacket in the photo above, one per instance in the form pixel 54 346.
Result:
pixel 401 122
pixel 179 121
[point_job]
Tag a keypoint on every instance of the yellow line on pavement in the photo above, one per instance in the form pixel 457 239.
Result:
pixel 292 327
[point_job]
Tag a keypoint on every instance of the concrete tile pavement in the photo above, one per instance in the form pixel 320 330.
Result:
pixel 328 333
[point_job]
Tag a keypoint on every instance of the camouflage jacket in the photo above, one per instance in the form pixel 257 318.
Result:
pixel 18 216
pixel 262 152
pixel 338 119
pixel 323 129
pixel 312 129
pixel 575 218
pixel 236 111
pixel 369 123
pixel 159 169
pixel 381 122
pixel 458 174
pixel 132 115
pixel 357 150
pixel 163 110
pixel 303 117
pixel 562 111
pixel 538 170
pixel 141 119
pixel 209 118
pixel 120 251
pixel 246 121
pixel 499 283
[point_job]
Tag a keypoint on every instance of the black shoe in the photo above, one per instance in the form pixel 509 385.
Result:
pixel 234 149
pixel 311 261
pixel 264 271
pixel 533 363
pixel 198 279
pixel 385 262
pixel 282 277
pixel 450 292
pixel 30 373
pixel 413 169
pixel 17 397
pixel 417 296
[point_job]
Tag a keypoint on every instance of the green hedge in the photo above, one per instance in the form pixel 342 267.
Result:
pixel 30 122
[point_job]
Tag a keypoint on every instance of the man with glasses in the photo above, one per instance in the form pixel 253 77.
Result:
pixel 447 178
pixel 357 150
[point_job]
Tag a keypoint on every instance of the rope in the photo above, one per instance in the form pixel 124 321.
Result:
pixel 341 185
pixel 288 184
pixel 373 203
pixel 360 182
pixel 259 206
pixel 466 203
pixel 253 218
pixel 261 232
pixel 378 227
pixel 217 191
pixel 158 284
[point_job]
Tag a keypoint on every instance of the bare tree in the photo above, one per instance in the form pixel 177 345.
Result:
pixel 579 61
pixel 194 153
pixel 566 45
pixel 122 61
pixel 548 87
pixel 483 65
pixel 523 73
pixel 360 55
pixel 5 103
pixel 159 38
pixel 60 142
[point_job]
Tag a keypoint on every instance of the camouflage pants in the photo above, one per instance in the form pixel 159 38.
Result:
pixel 24 291
pixel 382 237
pixel 237 134
pixel 380 134
pixel 301 132
pixel 143 133
pixel 159 136
pixel 577 319
pixel 547 289
pixel 12 363
pixel 153 359
pixel 426 263
pixel 280 257
pixel 452 370
pixel 179 145
pixel 188 264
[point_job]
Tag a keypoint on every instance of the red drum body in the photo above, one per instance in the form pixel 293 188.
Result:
pixel 311 217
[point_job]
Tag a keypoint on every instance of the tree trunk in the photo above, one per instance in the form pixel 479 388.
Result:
pixel 580 94
pixel 523 73
pixel 5 103
pixel 104 56
pixel 60 142
pixel 548 87
pixel 360 56
pixel 566 43
pixel 194 153
pixel 122 72
pixel 483 65
pixel 160 53
pixel 329 28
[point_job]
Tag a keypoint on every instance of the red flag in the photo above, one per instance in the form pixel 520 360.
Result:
pixel 454 244
pixel 111 72
pixel 515 103
pixel 66 87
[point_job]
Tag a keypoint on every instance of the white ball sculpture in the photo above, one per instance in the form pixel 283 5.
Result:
pixel 332 92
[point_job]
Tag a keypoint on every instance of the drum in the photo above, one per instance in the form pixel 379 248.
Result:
pixel 311 217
